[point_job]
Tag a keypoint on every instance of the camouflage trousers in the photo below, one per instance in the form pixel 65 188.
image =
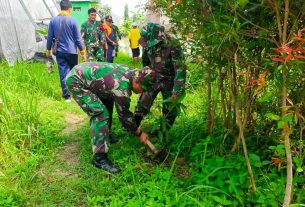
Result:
pixel 146 100
pixel 95 54
pixel 99 109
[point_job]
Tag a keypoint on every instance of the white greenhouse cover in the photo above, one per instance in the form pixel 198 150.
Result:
pixel 18 21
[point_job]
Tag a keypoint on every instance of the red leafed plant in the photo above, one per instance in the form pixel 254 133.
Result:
pixel 260 83
pixel 294 50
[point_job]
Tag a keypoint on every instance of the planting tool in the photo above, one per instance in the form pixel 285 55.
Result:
pixel 152 147
pixel 159 155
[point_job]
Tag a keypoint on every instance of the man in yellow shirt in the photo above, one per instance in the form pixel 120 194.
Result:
pixel 134 37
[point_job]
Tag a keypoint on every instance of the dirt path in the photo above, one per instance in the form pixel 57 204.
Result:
pixel 69 154
pixel 67 159
pixel 65 168
pixel 73 122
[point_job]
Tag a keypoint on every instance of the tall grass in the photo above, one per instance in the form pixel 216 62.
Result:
pixel 32 114
pixel 25 92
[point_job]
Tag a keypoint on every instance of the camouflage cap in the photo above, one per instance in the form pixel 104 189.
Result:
pixel 146 77
pixel 151 35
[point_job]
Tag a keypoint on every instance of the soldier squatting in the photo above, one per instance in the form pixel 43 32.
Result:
pixel 97 86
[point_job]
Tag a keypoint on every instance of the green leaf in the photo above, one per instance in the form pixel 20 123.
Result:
pixel 280 124
pixel 255 160
pixel 42 31
pixel 273 116
pixel 298 162
pixel 299 169
pixel 287 118
pixel 242 3
pixel 254 157
pixel 221 200
pixel 266 162
pixel 280 67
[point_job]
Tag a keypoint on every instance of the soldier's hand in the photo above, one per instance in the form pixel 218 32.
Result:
pixel 48 53
pixel 84 58
pixel 174 96
pixel 143 137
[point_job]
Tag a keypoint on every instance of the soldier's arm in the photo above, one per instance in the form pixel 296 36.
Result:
pixel 83 31
pixel 100 34
pixel 122 104
pixel 103 37
pixel 119 34
pixel 180 71
pixel 145 58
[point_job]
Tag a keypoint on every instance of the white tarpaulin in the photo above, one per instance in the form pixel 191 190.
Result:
pixel 18 20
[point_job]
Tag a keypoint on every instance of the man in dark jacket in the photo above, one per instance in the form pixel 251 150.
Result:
pixel 65 28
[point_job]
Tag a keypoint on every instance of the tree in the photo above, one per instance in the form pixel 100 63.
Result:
pixel 104 10
pixel 233 41
pixel 126 12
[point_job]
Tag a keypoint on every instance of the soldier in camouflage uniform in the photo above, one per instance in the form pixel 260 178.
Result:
pixel 162 53
pixel 117 37
pixel 93 37
pixel 93 86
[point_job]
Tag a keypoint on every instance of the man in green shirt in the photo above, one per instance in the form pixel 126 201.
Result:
pixel 96 85
pixel 93 37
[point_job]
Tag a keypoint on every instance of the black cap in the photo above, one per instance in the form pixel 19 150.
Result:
pixel 65 4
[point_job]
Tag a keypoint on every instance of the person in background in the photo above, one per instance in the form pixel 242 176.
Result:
pixel 134 37
pixel 102 26
pixel 93 86
pixel 163 55
pixel 110 40
pixel 117 37
pixel 93 37
pixel 69 40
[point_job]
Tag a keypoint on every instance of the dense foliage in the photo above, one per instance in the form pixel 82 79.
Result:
pixel 245 87
pixel 254 92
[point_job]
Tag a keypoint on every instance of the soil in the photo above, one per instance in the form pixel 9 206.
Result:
pixel 67 160
pixel 68 157
pixel 181 169
pixel 73 122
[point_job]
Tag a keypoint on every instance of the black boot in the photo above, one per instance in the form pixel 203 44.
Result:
pixel 138 119
pixel 101 161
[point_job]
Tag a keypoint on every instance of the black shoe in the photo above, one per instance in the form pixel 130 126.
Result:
pixel 138 119
pixel 101 161
pixel 112 139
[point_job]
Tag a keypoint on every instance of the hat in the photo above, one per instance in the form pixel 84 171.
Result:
pixel 108 18
pixel 134 24
pixel 65 4
pixel 146 77
pixel 151 35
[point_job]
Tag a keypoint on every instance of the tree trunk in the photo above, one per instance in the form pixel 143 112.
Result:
pixel 285 135
pixel 209 100
pixel 241 125
pixel 223 97
pixel 286 130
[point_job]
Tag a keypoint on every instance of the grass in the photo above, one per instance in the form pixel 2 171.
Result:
pixel 39 166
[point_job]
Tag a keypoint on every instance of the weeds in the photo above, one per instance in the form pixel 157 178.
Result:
pixel 34 172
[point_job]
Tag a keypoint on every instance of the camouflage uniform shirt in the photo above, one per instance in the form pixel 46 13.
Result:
pixel 111 81
pixel 166 59
pixel 92 34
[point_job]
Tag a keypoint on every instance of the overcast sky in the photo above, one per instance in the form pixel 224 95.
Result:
pixel 117 6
